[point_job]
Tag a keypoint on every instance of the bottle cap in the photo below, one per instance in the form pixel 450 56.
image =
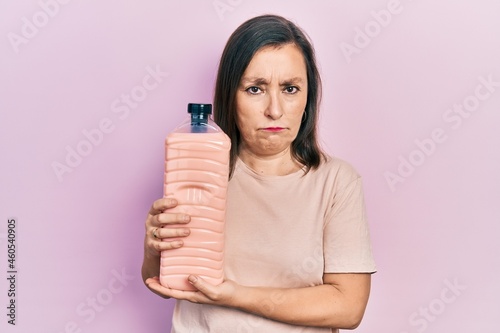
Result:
pixel 200 108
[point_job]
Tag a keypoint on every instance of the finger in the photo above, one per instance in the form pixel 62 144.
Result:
pixel 172 218
pixel 162 233
pixel 161 204
pixel 162 242
pixel 164 219
pixel 159 245
pixel 204 287
pixel 154 285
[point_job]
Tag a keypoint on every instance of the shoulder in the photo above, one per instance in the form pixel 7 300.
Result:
pixel 338 170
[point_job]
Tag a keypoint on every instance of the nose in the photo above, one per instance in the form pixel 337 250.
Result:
pixel 274 109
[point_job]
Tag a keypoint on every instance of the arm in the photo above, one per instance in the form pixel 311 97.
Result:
pixel 339 303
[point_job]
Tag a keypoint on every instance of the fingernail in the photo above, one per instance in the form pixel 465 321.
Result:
pixel 186 232
pixel 177 244
pixel 186 218
pixel 192 279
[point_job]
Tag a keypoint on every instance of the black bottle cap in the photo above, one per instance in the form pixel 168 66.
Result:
pixel 194 108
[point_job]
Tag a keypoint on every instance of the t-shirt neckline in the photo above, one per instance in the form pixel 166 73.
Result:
pixel 245 168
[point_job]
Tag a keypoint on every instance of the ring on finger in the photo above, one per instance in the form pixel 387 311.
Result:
pixel 154 233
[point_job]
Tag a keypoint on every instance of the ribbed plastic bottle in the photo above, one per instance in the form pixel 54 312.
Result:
pixel 196 174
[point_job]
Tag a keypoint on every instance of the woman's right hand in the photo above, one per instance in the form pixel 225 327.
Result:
pixel 159 236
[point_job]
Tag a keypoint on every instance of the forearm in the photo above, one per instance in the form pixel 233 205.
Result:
pixel 321 306
pixel 150 265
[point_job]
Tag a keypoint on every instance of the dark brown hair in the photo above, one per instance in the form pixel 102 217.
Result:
pixel 246 40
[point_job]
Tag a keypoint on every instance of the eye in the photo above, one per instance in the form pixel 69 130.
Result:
pixel 291 90
pixel 253 90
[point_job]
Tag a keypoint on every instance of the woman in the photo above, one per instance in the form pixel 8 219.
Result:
pixel 298 255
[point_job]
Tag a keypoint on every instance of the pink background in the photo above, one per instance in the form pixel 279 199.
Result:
pixel 434 229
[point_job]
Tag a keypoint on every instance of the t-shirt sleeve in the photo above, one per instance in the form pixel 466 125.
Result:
pixel 347 247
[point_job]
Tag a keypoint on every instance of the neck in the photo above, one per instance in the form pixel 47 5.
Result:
pixel 280 164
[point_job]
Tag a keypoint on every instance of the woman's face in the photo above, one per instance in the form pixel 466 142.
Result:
pixel 271 99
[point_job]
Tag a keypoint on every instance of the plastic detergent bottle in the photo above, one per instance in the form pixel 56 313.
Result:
pixel 196 175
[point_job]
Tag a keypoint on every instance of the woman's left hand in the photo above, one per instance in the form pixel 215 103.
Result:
pixel 222 294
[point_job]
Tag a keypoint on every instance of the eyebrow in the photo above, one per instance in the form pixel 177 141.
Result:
pixel 262 81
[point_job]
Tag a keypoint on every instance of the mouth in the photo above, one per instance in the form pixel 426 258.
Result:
pixel 273 129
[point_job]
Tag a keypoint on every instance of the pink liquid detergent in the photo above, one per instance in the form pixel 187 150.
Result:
pixel 196 174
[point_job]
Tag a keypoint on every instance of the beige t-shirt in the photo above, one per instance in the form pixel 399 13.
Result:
pixel 285 231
